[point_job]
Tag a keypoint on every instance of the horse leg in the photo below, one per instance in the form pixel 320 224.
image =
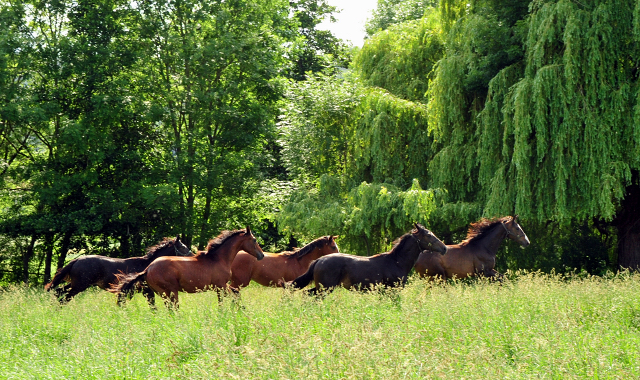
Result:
pixel 73 291
pixel 495 275
pixel 173 298
pixel 62 291
pixel 151 297
pixel 170 299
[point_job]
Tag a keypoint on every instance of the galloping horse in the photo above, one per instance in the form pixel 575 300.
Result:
pixel 389 268
pixel 477 254
pixel 277 268
pixel 209 269
pixel 101 271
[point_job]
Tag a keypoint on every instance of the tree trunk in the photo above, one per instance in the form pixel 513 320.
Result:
pixel 628 223
pixel 48 257
pixel 66 242
pixel 136 245
pixel 26 257
pixel 125 247
pixel 204 228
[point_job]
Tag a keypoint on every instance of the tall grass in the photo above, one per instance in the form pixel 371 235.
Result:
pixel 532 326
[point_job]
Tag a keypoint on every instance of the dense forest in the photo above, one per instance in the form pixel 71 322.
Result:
pixel 122 122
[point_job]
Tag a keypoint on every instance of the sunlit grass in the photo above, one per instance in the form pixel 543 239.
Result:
pixel 532 326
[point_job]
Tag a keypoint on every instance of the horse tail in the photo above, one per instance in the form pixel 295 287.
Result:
pixel 306 278
pixel 60 276
pixel 128 283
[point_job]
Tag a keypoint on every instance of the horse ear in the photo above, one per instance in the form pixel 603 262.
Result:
pixel 515 218
pixel 248 230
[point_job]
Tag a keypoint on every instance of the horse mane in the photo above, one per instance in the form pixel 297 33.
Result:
pixel 398 244
pixel 154 249
pixel 478 229
pixel 298 253
pixel 215 243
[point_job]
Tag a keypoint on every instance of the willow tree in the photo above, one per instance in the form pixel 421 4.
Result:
pixel 363 148
pixel 400 58
pixel 555 137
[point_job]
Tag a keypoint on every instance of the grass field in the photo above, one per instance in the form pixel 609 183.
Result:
pixel 532 326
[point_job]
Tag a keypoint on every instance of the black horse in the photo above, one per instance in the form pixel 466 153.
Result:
pixel 389 268
pixel 101 271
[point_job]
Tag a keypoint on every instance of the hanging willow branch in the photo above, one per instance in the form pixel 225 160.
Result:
pixel 558 134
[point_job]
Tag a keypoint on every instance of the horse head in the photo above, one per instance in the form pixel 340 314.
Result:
pixel 250 245
pixel 515 232
pixel 428 240
pixel 180 249
pixel 331 246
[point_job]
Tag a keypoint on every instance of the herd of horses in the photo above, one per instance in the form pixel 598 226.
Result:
pixel 234 258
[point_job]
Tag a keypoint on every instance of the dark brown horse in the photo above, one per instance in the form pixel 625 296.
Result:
pixel 389 268
pixel 277 268
pixel 477 254
pixel 209 269
pixel 101 271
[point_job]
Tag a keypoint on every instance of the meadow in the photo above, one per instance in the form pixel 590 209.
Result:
pixel 530 326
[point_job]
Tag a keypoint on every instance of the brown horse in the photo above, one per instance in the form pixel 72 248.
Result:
pixel 276 268
pixel 477 254
pixel 209 269
pixel 388 269
pixel 101 271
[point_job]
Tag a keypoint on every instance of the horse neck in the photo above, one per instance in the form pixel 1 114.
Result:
pixel 164 251
pixel 227 252
pixel 309 257
pixel 406 253
pixel 491 242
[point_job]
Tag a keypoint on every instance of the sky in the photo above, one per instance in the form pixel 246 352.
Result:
pixel 351 20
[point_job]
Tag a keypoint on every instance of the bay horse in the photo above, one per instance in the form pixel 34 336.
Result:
pixel 208 269
pixel 277 268
pixel 389 268
pixel 476 255
pixel 101 271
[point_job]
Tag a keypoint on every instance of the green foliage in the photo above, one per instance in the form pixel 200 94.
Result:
pixel 315 125
pixel 389 12
pixel 390 141
pixel 365 148
pixel 125 122
pixel 524 129
pixel 368 217
pixel 316 50
pixel 400 58
pixel 573 102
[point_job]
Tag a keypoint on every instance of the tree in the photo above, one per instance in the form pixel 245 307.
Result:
pixel 554 135
pixel 212 75
pixel 389 12
pixel 316 50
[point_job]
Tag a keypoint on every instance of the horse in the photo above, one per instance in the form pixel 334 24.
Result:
pixel 389 269
pixel 101 271
pixel 476 255
pixel 208 269
pixel 277 268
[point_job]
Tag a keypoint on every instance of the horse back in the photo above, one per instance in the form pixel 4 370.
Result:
pixel 101 270
pixel 352 271
pixel 189 274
